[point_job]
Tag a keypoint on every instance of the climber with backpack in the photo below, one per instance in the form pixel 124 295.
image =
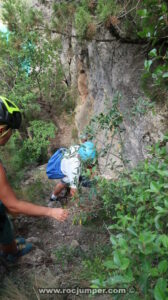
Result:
pixel 10 247
pixel 66 165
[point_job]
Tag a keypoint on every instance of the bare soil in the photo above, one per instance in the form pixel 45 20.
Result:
pixel 57 255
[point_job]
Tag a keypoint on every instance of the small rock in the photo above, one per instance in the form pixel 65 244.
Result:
pixel 74 244
pixel 85 248
pixel 34 257
pixel 53 256
pixel 34 240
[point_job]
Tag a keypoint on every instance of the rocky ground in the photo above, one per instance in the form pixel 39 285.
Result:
pixel 56 260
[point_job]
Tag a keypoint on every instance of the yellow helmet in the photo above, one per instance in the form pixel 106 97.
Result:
pixel 9 113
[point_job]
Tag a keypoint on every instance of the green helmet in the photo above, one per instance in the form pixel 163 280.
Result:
pixel 9 113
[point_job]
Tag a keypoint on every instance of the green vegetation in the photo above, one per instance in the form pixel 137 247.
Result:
pixel 106 9
pixel 30 67
pixel 62 16
pixel 82 21
pixel 134 207
pixel 154 24
pixel 20 153
pixel 31 75
pixel 37 144
pixel 136 21
pixel 66 254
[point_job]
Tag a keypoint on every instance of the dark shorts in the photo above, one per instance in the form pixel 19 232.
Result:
pixel 62 180
pixel 6 230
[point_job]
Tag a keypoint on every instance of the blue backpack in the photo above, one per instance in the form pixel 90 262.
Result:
pixel 53 169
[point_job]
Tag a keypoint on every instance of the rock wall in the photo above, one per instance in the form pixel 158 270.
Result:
pixel 110 66
pixel 98 69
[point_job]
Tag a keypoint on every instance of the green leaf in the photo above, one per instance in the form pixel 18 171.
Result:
pixel 116 279
pixel 113 240
pixel 164 172
pixel 120 279
pixel 154 187
pixel 146 237
pixel 163 266
pixel 154 272
pixel 121 261
pixel 147 64
pixel 142 12
pixel 153 53
pixel 143 282
pixel 132 231
pixel 164 8
pixel 109 264
pixel 157 224
pixel 96 283
pixel 164 239
pixel 165 75
pixel 160 289
pixel 123 244
pixel 166 203
pixel 161 210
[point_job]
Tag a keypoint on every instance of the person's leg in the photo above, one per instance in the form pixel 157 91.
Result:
pixel 7 241
pixel 59 187
pixel 57 190
pixel 10 248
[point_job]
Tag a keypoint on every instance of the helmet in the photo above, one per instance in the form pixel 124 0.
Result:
pixel 9 113
pixel 87 151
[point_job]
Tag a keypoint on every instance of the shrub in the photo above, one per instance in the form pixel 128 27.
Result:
pixel 107 8
pixel 62 15
pixel 35 147
pixel 82 19
pixel 137 207
pixel 153 19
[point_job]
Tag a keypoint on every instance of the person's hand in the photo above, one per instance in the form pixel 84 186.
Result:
pixel 59 214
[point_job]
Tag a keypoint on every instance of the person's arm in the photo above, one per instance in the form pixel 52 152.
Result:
pixel 13 205
pixel 73 191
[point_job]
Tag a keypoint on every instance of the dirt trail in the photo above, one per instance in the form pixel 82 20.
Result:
pixel 57 255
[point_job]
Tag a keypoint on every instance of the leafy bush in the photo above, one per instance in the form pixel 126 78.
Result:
pixel 35 147
pixel 82 20
pixel 153 16
pixel 62 15
pixel 30 68
pixel 32 76
pixel 137 207
pixel 20 153
pixel 107 8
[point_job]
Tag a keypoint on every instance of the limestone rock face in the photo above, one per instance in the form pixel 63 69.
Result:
pixel 98 69
pixel 111 67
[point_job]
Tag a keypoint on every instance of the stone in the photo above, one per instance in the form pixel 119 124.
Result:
pixel 34 240
pixel 85 248
pixel 74 244
pixel 34 257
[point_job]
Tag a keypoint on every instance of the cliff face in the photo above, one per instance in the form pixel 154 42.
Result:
pixel 99 68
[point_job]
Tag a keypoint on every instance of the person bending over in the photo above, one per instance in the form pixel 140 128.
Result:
pixel 65 164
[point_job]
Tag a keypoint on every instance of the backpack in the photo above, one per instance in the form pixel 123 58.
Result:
pixel 53 169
